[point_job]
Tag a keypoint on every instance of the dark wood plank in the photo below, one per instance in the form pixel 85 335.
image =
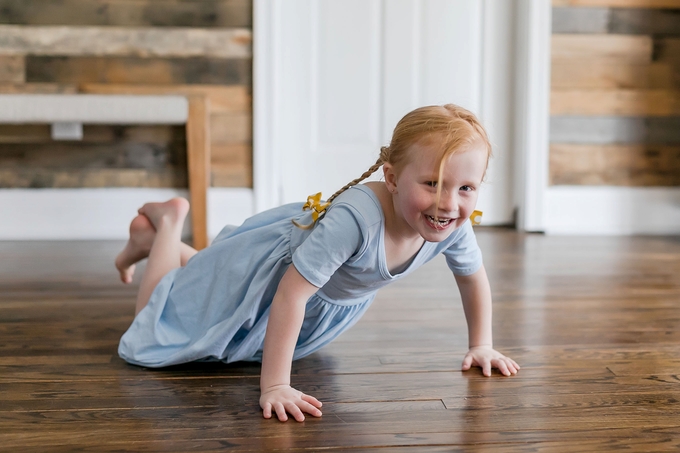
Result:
pixel 157 13
pixel 133 70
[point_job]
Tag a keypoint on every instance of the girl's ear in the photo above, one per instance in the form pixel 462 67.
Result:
pixel 390 177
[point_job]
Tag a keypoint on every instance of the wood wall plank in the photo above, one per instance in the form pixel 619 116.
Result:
pixel 93 133
pixel 615 47
pixel 12 69
pixel 144 71
pixel 625 21
pixel 232 165
pixel 580 20
pixel 97 154
pixel 125 41
pixel 615 165
pixel 240 153
pixel 39 178
pixel 231 175
pixel 668 49
pixel 615 102
pixel 588 74
pixel 37 88
pixel 656 22
pixel 234 98
pixel 620 3
pixel 607 129
pixel 129 13
pixel 229 128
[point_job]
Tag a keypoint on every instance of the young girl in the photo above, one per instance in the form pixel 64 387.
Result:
pixel 290 280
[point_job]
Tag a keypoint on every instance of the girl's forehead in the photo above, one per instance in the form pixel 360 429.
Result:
pixel 431 153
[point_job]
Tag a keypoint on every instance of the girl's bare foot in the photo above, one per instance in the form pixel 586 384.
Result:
pixel 172 212
pixel 142 234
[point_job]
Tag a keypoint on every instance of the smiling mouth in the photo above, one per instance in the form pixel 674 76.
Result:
pixel 438 224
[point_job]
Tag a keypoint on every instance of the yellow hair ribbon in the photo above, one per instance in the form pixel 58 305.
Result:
pixel 476 217
pixel 313 204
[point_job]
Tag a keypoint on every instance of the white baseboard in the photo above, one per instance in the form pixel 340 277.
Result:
pixel 612 210
pixel 73 214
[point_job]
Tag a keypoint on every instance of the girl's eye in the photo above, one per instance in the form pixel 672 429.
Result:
pixel 466 188
pixel 431 183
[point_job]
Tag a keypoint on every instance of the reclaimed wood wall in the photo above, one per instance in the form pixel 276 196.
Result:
pixel 615 94
pixel 127 47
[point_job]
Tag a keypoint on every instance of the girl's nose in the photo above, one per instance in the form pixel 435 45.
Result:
pixel 448 201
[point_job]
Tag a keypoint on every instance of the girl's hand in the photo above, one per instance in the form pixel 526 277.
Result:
pixel 486 357
pixel 284 398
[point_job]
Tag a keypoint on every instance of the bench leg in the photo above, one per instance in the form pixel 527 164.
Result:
pixel 198 160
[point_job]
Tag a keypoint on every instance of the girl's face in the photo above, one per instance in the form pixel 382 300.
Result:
pixel 414 190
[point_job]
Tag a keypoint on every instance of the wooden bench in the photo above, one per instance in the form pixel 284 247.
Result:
pixel 192 111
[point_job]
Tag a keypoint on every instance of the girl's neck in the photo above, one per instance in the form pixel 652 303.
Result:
pixel 402 243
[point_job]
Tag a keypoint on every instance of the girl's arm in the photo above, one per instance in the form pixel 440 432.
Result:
pixel 476 294
pixel 285 320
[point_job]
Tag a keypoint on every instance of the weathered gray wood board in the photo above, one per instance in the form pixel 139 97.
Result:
pixel 603 130
pixel 108 156
pixel 122 70
pixel 131 13
pixel 125 41
pixel 627 21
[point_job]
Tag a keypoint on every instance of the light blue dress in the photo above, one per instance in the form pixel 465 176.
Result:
pixel 216 307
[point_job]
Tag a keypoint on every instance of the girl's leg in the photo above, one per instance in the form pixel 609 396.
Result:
pixel 142 234
pixel 165 253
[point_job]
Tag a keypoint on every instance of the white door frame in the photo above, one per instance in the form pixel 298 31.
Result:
pixel 266 183
pixel 532 109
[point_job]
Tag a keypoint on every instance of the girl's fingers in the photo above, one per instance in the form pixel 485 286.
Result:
pixel 467 363
pixel 310 409
pixel 512 366
pixel 280 412
pixel 311 400
pixel 267 411
pixel 503 368
pixel 295 411
pixel 486 368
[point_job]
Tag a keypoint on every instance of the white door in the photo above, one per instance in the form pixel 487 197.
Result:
pixel 332 78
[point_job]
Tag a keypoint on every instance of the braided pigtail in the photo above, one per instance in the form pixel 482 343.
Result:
pixel 319 209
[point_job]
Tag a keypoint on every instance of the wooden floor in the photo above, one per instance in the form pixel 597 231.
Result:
pixel 594 323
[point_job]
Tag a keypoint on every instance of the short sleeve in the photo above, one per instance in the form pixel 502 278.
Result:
pixel 463 256
pixel 335 239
